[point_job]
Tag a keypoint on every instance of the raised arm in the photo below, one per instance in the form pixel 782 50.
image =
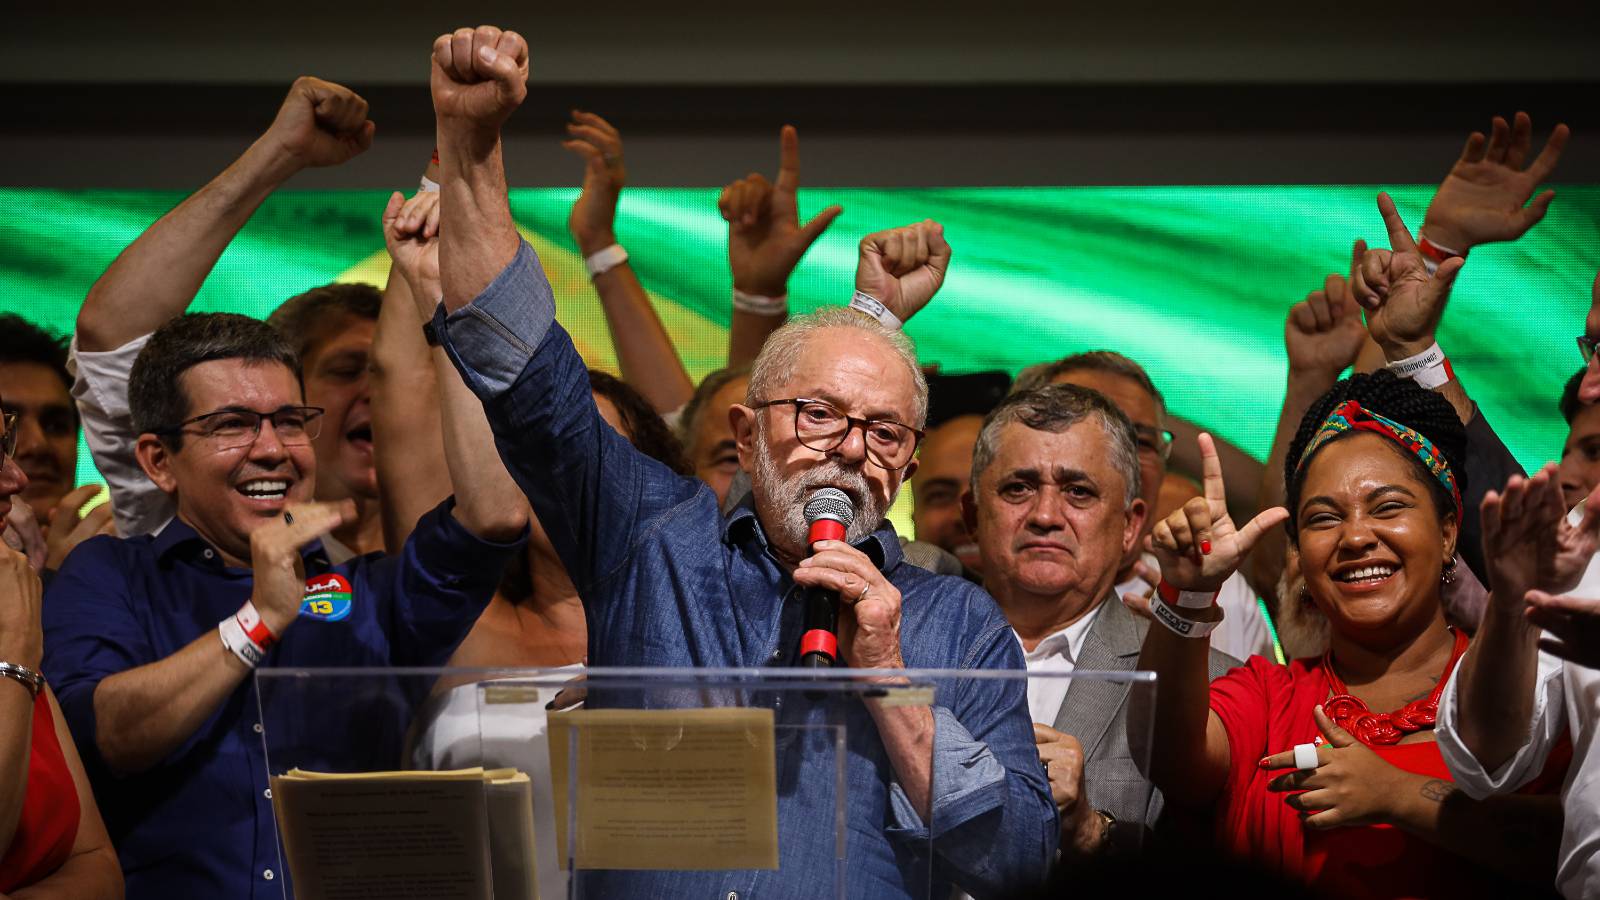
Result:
pixel 1484 198
pixel 590 488
pixel 1198 549
pixel 488 502
pixel 155 278
pixel 765 243
pixel 903 268
pixel 1322 336
pixel 1533 550
pixel 409 440
pixel 649 362
pixel 1405 297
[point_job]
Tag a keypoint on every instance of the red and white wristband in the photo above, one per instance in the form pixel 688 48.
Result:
pixel 1433 254
pixel 1430 368
pixel 246 636
pixel 1166 596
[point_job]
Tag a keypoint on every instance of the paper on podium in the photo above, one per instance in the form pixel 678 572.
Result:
pixel 465 834
pixel 669 789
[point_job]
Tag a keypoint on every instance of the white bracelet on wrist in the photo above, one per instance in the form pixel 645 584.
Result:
pixel 238 642
pixel 602 261
pixel 872 306
pixel 758 305
pixel 428 186
pixel 1180 626
pixel 1430 368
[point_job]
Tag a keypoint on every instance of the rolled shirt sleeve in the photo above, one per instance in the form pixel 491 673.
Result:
pixel 100 390
pixel 1548 724
pixel 446 576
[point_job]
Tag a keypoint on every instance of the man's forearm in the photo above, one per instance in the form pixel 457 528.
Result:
pixel 1498 677
pixel 477 238
pixel 907 735
pixel 488 501
pixel 157 276
pixel 144 714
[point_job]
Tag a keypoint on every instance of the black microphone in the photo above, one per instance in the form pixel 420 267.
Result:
pixel 828 516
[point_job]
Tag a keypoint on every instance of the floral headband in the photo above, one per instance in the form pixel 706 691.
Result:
pixel 1351 416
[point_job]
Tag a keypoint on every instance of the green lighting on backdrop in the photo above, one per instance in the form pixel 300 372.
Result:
pixel 1191 281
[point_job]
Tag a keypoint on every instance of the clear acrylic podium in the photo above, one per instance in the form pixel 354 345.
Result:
pixel 628 783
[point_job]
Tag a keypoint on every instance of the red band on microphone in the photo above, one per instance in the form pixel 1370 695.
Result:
pixel 825 530
pixel 819 641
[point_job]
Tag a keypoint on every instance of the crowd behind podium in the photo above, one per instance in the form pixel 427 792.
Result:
pixel 1376 653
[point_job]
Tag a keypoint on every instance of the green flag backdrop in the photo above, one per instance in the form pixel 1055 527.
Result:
pixel 1193 282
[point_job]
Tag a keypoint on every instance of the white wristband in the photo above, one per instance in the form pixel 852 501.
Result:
pixel 1430 368
pixel 872 306
pixel 428 186
pixel 755 304
pixel 238 643
pixel 603 261
pixel 1180 626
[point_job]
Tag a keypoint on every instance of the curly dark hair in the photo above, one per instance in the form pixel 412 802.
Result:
pixel 648 433
pixel 1402 400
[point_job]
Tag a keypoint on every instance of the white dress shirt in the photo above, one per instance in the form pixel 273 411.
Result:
pixel 1058 652
pixel 1565 696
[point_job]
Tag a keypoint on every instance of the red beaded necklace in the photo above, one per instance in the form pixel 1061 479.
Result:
pixel 1351 714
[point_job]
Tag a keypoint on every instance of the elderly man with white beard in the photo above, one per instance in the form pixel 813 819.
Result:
pixel 835 400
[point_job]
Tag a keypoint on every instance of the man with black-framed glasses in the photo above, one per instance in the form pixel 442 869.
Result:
pixel 151 640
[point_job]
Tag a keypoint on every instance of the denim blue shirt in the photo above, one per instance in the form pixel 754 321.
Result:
pixel 200 823
pixel 667 581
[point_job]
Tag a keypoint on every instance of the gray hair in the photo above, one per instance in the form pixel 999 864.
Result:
pixel 1107 361
pixel 781 353
pixel 1055 408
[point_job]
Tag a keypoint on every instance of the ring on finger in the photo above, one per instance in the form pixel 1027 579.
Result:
pixel 865 589
pixel 1305 757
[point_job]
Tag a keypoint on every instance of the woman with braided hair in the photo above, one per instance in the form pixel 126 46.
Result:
pixel 1326 769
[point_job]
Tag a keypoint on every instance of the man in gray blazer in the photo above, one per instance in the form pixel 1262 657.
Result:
pixel 1054 503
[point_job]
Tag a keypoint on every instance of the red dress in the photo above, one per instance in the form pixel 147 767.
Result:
pixel 48 824
pixel 1267 708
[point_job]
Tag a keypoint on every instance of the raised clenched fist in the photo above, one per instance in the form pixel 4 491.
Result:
pixel 480 75
pixel 321 124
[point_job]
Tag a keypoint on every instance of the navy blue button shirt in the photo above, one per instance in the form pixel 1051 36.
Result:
pixel 667 581
pixel 200 823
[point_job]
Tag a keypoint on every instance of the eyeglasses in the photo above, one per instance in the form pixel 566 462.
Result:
pixel 821 426
pixel 8 441
pixel 230 429
pixel 1586 347
pixel 1153 440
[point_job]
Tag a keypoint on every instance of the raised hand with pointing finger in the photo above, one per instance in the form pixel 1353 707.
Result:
pixel 1198 546
pixel 1403 300
pixel 765 237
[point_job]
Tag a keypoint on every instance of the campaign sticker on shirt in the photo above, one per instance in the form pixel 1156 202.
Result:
pixel 327 597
